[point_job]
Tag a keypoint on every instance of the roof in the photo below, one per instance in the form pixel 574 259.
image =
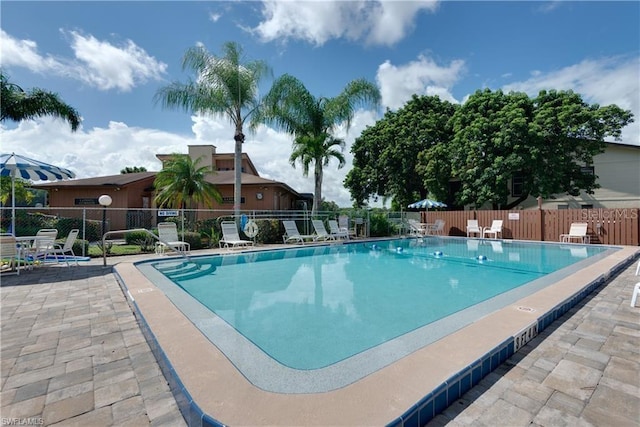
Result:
pixel 228 178
pixel 220 178
pixel 101 181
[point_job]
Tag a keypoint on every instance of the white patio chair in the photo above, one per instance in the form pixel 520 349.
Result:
pixel 42 246
pixel 67 249
pixel 416 228
pixel 337 231
pixel 231 237
pixel 636 292
pixel 495 229
pixel 437 228
pixel 10 252
pixel 292 235
pixel 168 234
pixel 577 231
pixel 473 228
pixel 343 222
pixel 321 231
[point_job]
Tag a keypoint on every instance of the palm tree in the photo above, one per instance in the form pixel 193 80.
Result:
pixel 181 183
pixel 223 86
pixel 133 169
pixel 18 105
pixel 311 121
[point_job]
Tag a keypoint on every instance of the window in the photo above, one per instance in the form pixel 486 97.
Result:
pixel 517 184
pixel 561 207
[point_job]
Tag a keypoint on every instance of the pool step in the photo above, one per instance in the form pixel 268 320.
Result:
pixel 190 271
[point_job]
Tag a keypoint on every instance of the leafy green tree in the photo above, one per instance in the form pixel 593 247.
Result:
pixel 546 141
pixel 182 184
pixel 133 169
pixel 22 192
pixel 490 143
pixel 18 105
pixel 225 86
pixel 386 154
pixel 312 121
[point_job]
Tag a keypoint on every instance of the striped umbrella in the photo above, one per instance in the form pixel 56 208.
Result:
pixel 14 165
pixel 426 204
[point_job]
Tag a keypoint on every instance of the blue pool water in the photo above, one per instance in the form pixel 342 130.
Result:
pixel 312 307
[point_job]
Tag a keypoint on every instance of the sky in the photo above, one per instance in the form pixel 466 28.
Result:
pixel 108 60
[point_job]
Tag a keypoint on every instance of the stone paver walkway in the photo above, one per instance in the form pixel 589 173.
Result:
pixel 72 354
pixel 584 370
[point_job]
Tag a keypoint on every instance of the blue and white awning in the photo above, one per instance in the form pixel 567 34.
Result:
pixel 17 166
pixel 427 204
pixel 23 167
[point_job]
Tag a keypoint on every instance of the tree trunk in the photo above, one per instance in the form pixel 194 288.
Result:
pixel 317 198
pixel 237 165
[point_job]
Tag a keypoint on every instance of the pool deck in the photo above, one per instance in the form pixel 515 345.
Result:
pixel 73 353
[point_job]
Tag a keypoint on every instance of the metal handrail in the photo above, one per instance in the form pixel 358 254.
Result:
pixel 104 251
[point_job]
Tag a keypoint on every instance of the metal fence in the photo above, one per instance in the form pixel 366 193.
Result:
pixel 93 222
pixel 605 226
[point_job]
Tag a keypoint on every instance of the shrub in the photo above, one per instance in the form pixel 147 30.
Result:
pixel 134 237
pixel 194 239
pixel 380 226
pixel 91 228
pixel 78 245
pixel 269 231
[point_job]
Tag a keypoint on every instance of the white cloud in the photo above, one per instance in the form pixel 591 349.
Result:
pixel 99 63
pixel 605 81
pixel 421 77
pixel 375 22
pixel 107 66
pixel 24 53
pixel 105 151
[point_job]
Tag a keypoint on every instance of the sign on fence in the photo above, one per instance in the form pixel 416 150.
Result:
pixel 168 213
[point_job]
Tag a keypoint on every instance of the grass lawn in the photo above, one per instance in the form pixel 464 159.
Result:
pixel 116 250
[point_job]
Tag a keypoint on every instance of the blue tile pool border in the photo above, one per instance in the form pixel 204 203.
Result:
pixel 434 403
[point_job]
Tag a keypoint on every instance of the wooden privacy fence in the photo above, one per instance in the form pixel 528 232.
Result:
pixel 605 226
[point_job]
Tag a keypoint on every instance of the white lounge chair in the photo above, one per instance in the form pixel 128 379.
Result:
pixel 495 229
pixel 168 234
pixel 66 250
pixel 578 231
pixel 292 235
pixel 10 253
pixel 416 228
pixel 343 222
pixel 43 245
pixel 636 292
pixel 321 231
pixel 231 237
pixel 437 228
pixel 473 228
pixel 337 231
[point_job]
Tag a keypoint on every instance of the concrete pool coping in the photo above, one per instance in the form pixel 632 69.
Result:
pixel 213 389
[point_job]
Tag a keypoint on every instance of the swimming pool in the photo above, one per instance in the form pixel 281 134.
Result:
pixel 212 391
pixel 316 319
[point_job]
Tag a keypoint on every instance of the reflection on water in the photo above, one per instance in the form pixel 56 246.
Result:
pixel 312 307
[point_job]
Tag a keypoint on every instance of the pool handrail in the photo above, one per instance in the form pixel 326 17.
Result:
pixel 104 239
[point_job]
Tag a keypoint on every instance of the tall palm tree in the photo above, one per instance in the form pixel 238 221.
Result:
pixel 18 105
pixel 181 183
pixel 311 121
pixel 223 86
